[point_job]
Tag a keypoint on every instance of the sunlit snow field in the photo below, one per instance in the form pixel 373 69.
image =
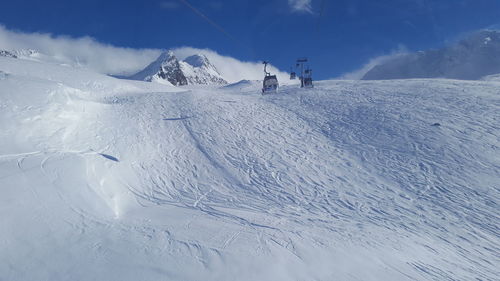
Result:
pixel 108 179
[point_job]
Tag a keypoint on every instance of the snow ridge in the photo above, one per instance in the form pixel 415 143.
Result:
pixel 470 59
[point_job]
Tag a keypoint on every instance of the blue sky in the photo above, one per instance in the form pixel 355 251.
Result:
pixel 337 36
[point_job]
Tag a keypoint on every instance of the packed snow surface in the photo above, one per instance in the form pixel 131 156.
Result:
pixel 108 179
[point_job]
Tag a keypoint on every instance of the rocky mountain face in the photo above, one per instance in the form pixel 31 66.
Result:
pixel 193 70
pixel 8 54
pixel 171 71
pixel 470 59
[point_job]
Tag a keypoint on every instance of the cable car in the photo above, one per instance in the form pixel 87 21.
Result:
pixel 270 84
pixel 293 75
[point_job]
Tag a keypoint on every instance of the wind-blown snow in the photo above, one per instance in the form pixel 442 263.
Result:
pixel 88 53
pixel 84 52
pixel 231 69
pixel 110 179
pixel 373 62
pixel 474 57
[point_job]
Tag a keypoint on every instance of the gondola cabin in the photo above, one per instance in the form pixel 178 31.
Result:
pixel 270 84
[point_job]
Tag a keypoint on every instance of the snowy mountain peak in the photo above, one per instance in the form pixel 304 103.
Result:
pixel 479 39
pixel 164 57
pixel 193 70
pixel 197 60
pixel 472 58
pixel 167 56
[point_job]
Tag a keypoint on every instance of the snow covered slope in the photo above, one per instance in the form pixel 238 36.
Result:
pixel 494 77
pixel 193 70
pixel 476 56
pixel 108 179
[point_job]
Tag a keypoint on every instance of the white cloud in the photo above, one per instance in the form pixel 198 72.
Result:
pixel 230 68
pixel 83 52
pixel 301 6
pixel 359 73
pixel 86 52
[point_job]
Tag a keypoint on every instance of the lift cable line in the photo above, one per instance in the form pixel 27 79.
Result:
pixel 218 27
pixel 214 24
pixel 321 14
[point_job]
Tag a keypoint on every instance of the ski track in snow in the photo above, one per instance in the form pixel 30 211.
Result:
pixel 346 181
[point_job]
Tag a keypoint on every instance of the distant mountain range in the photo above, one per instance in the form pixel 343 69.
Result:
pixel 27 54
pixel 193 70
pixel 472 58
pixel 7 54
pixel 475 57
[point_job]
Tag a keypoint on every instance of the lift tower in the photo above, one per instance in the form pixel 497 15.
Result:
pixel 300 63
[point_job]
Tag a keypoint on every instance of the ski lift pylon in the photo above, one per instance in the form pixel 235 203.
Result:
pixel 305 74
pixel 308 82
